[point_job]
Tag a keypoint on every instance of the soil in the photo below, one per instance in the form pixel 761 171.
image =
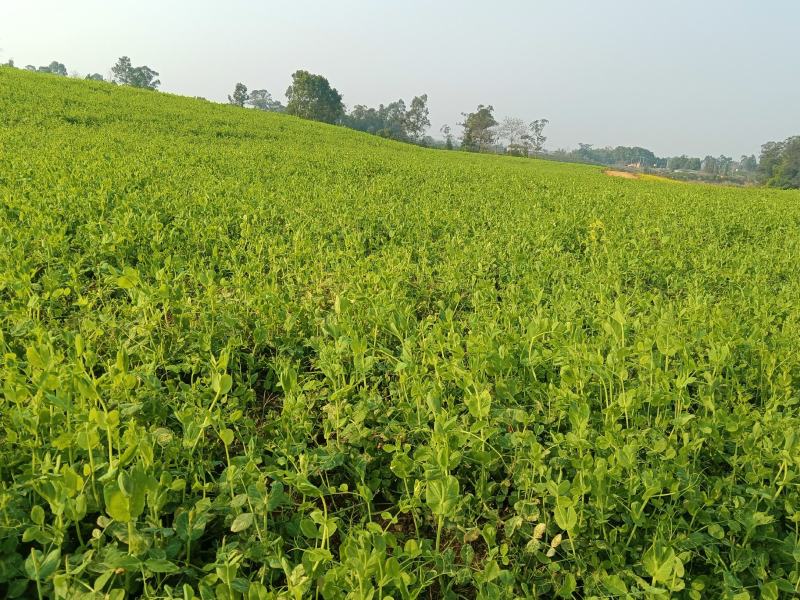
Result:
pixel 623 174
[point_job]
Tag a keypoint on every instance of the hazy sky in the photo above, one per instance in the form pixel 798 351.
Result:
pixel 680 76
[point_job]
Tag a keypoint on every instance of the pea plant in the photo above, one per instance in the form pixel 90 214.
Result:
pixel 247 357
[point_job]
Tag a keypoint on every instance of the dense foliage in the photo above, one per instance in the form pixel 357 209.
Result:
pixel 780 163
pixel 312 97
pixel 393 121
pixel 248 356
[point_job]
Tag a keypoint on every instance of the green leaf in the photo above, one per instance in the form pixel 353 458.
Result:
pixel 277 497
pixel 659 562
pixel 242 522
pixel 317 555
pixel 221 384
pixel 308 528
pixel 615 585
pixel 226 435
pixel 401 465
pixel 480 404
pixel 441 495
pixel 769 591
pixel 40 567
pixel 566 517
pixel 305 487
pixel 161 565
pixel 37 515
pixel 117 504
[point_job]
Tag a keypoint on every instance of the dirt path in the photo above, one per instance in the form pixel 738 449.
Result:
pixel 623 174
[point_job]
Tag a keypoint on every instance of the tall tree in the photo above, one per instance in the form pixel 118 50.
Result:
pixel 748 164
pixel 55 67
pixel 145 77
pixel 312 97
pixel 141 77
pixel 262 100
pixel 239 95
pixel 514 132
pixel 536 135
pixel 121 72
pixel 366 119
pixel 724 165
pixel 417 118
pixel 479 133
pixel 709 165
pixel 779 165
pixel 392 118
pixel 448 136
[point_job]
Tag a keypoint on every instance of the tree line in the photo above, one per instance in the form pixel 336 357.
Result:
pixel 710 168
pixel 123 73
pixel 311 96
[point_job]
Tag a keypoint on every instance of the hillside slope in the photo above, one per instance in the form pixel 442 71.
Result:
pixel 249 356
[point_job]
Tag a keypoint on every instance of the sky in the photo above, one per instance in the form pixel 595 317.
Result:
pixel 679 76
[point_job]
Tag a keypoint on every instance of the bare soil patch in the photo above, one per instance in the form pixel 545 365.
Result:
pixel 623 174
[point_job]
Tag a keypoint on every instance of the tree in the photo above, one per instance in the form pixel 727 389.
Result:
pixel 770 159
pixel 312 97
pixel 141 77
pixel 536 136
pixel 709 165
pixel 262 100
pixel 515 133
pixel 416 119
pixel 748 164
pixel 392 118
pixel 95 77
pixel 145 77
pixel 239 95
pixel 366 119
pixel 389 121
pixel 479 133
pixel 121 71
pixel 55 67
pixel 779 165
pixel 448 136
pixel 788 173
pixel 724 165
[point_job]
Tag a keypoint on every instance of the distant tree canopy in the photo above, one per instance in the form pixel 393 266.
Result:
pixel 258 99
pixel 312 97
pixel 262 100
pixel 522 139
pixel 621 155
pixel 683 163
pixel 748 164
pixel 125 73
pixel 240 95
pixel 55 67
pixel 448 136
pixel 393 120
pixel 417 118
pixel 779 165
pixel 479 129
pixel 95 77
pixel 386 121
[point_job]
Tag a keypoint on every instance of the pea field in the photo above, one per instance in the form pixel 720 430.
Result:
pixel 246 356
